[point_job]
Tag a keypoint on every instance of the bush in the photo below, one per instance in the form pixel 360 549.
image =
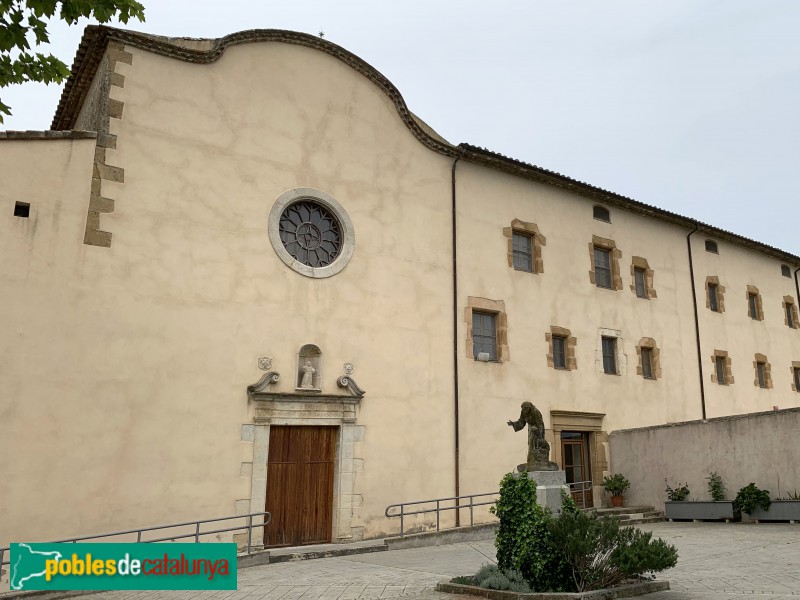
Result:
pixel 568 503
pixel 599 554
pixel 492 578
pixel 749 497
pixel 523 540
pixel 677 494
pixel 616 485
pixel 715 486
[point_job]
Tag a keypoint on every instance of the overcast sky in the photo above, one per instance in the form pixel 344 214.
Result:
pixel 690 105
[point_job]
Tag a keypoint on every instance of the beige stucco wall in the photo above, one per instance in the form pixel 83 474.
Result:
pixel 141 364
pixel 760 448
pixel 742 337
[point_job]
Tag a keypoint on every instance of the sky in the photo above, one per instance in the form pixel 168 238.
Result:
pixel 689 105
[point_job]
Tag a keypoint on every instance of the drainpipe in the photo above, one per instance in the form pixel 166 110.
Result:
pixel 697 322
pixel 455 333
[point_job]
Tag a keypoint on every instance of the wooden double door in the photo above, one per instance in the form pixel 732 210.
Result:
pixel 300 470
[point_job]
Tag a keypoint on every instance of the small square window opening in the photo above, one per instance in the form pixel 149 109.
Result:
pixel 523 252
pixel 22 209
pixel 786 271
pixel 601 213
pixel 639 278
pixel 790 315
pixel 796 373
pixel 484 334
pixel 559 352
pixel 720 366
pixel 602 267
pixel 609 355
pixel 711 246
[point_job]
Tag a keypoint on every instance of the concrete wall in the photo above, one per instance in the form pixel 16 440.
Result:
pixel 760 448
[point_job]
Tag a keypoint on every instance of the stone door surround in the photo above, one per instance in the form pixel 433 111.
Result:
pixel 567 420
pixel 306 409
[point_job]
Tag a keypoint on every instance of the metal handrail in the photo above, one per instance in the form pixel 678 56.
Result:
pixel 439 508
pixel 196 535
pixel 586 486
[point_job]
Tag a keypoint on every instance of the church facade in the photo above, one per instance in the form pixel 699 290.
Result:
pixel 240 274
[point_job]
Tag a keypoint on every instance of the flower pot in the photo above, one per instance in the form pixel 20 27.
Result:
pixel 779 510
pixel 701 511
pixel 616 501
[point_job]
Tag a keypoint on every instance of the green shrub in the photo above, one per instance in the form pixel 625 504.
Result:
pixel 568 503
pixel 677 494
pixel 616 484
pixel 599 554
pixel 523 540
pixel 492 578
pixel 715 486
pixel 749 497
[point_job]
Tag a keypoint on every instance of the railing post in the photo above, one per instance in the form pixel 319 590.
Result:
pixel 138 536
pixel 249 532
pixel 437 515
pixel 197 532
pixel 402 511
pixel 470 511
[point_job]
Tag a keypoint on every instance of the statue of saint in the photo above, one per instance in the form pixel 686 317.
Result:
pixel 538 448
pixel 307 382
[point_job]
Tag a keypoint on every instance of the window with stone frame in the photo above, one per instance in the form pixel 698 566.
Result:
pixel 605 257
pixel 711 246
pixel 790 317
pixel 795 376
pixel 722 374
pixel 525 243
pixel 649 359
pixel 642 278
pixel 561 349
pixel 755 308
pixel 487 328
pixel 715 295
pixel 786 271
pixel 763 372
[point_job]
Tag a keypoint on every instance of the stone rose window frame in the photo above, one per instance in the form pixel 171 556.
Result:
pixel 640 264
pixel 713 282
pixel 727 371
pixel 538 241
pixel 761 362
pixel 570 343
pixel 497 308
pixel 655 359
pixel 790 317
pixel 752 292
pixel 615 256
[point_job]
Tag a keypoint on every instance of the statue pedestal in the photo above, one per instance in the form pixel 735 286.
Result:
pixel 548 488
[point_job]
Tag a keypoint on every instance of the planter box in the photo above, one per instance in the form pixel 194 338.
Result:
pixel 701 511
pixel 779 510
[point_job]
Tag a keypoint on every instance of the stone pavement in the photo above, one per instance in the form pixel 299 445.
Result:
pixel 716 561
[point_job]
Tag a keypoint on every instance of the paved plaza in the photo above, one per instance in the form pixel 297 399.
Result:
pixel 716 562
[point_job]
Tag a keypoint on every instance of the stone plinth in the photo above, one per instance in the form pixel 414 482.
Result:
pixel 549 485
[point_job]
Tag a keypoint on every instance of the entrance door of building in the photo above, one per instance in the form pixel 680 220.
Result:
pixel 575 462
pixel 300 485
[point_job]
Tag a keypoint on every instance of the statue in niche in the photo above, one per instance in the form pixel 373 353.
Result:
pixel 538 448
pixel 307 382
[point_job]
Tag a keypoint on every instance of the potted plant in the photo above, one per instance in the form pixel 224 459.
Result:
pixel 754 502
pixel 717 509
pixel 785 508
pixel 616 485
